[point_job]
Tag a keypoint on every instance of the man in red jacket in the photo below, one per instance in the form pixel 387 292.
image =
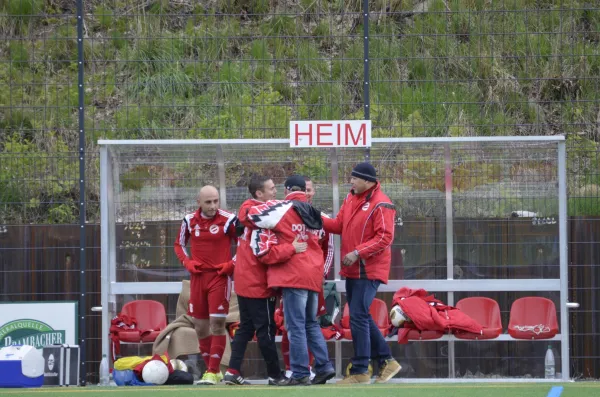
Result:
pixel 366 223
pixel 256 301
pixel 299 273
pixel 210 232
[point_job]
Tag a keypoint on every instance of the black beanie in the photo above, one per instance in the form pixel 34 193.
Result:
pixel 365 171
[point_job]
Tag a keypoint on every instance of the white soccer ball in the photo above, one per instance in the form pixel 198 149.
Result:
pixel 178 364
pixel 155 372
pixel 397 316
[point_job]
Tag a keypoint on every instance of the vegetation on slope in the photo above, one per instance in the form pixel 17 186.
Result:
pixel 244 68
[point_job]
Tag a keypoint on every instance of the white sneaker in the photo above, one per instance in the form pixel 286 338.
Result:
pixel 312 374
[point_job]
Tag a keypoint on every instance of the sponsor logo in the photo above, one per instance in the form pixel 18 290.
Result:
pixel 302 230
pixel 30 332
pixel 50 362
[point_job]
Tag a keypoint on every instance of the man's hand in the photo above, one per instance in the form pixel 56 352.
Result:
pixel 300 247
pixel 192 266
pixel 225 269
pixel 350 258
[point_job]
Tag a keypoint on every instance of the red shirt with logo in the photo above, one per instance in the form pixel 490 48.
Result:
pixel 210 238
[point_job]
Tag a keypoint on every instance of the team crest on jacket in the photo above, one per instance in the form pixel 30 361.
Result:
pixel 214 229
pixel 365 207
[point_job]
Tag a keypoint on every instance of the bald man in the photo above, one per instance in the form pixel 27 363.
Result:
pixel 210 231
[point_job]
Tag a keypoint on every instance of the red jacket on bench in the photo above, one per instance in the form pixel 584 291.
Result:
pixel 429 314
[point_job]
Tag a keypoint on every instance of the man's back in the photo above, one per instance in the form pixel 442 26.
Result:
pixel 286 268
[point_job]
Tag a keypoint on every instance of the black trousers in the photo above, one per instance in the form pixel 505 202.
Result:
pixel 256 315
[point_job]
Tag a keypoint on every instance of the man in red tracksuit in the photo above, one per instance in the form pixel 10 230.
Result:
pixel 210 231
pixel 298 273
pixel 366 224
pixel 328 250
pixel 256 301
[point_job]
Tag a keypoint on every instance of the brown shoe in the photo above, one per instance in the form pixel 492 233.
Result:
pixel 388 370
pixel 362 379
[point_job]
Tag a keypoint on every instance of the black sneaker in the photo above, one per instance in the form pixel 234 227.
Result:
pixel 233 379
pixel 294 382
pixel 323 377
pixel 277 380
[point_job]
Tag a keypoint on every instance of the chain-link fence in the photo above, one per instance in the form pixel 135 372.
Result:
pixel 74 72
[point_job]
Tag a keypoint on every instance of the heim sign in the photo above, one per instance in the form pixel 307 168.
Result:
pixel 330 133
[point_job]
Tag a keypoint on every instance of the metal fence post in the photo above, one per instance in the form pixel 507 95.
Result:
pixel 82 238
pixel 366 95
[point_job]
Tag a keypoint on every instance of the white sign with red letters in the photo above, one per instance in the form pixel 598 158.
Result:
pixel 330 133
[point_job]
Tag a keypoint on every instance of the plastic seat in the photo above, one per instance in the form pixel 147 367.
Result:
pixel 486 312
pixel 151 320
pixel 379 312
pixel 533 318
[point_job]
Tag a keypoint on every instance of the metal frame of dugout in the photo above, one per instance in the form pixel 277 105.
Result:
pixel 110 288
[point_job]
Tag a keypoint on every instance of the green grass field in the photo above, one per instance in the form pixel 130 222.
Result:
pixel 403 390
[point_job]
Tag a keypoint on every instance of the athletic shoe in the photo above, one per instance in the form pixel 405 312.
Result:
pixel 209 378
pixel 279 379
pixel 362 379
pixel 322 378
pixel 294 382
pixel 387 370
pixel 233 379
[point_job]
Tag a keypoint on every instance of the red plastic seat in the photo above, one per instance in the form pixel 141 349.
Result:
pixel 151 320
pixel 379 312
pixel 486 312
pixel 533 317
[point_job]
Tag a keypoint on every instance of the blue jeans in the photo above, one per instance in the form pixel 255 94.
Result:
pixel 367 340
pixel 300 313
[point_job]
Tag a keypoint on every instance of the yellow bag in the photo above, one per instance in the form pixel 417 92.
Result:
pixel 126 363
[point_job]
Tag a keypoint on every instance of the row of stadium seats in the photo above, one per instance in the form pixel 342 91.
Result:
pixel 530 318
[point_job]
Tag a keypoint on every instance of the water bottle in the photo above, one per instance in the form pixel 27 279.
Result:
pixel 104 373
pixel 549 364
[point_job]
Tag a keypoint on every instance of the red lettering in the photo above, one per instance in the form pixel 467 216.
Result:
pixel 298 134
pixel 339 137
pixel 323 133
pixel 350 135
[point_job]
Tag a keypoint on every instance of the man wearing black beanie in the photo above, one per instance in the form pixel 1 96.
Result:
pixel 366 223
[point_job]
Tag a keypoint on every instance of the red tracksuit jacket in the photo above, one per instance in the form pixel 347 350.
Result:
pixel 279 225
pixel 249 275
pixel 429 314
pixel 208 243
pixel 366 222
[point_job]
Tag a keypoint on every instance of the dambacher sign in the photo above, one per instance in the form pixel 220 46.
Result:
pixel 38 324
pixel 330 133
